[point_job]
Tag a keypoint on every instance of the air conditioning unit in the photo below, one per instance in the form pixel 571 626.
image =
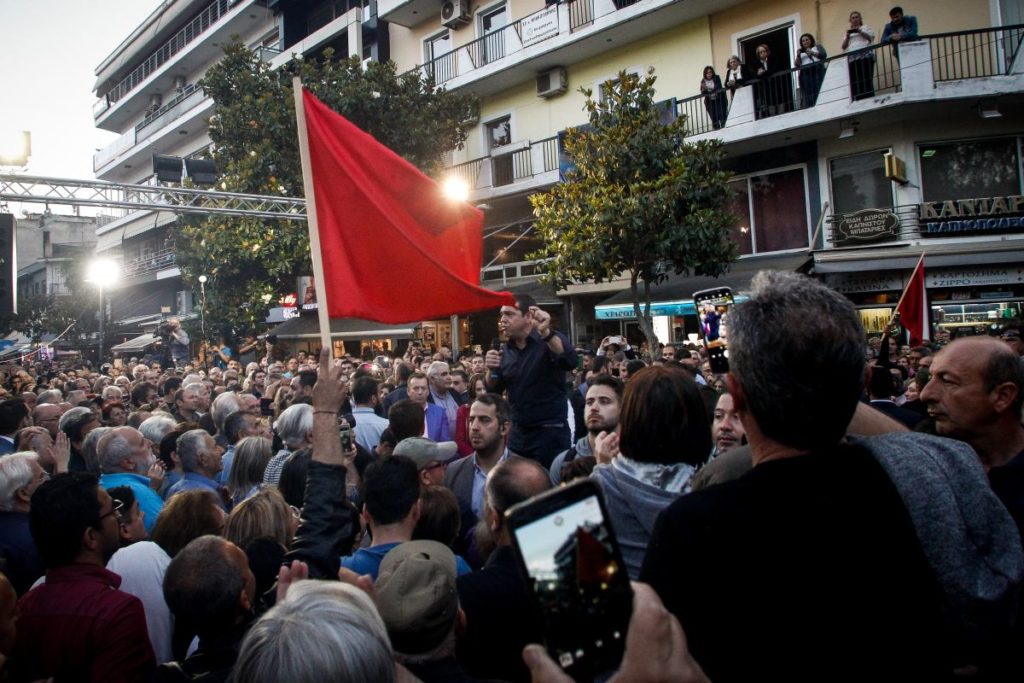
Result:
pixel 455 13
pixel 552 82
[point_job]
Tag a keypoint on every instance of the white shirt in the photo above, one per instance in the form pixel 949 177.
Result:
pixel 141 567
pixel 858 40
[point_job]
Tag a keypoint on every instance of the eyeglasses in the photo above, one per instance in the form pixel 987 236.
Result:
pixel 296 512
pixel 115 509
pixel 434 465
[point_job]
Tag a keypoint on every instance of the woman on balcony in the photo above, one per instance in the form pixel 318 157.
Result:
pixel 714 97
pixel 810 59
pixel 862 61
pixel 736 74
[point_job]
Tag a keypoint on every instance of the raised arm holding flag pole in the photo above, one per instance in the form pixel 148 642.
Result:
pixel 378 225
pixel 912 307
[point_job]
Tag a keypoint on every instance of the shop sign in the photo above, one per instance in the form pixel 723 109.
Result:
pixel 539 26
pixel 987 214
pixel 865 226
pixel 626 312
pixel 856 283
pixel 976 277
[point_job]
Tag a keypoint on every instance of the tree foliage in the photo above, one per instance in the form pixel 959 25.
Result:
pixel 251 262
pixel 639 201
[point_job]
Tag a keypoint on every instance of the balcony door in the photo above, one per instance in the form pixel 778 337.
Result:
pixel 492 21
pixel 775 95
pixel 436 46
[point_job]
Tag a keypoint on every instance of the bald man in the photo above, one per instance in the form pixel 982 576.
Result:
pixel 975 395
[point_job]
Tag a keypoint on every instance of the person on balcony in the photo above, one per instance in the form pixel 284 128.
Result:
pixel 714 97
pixel 861 61
pixel 810 59
pixel 736 75
pixel 900 29
pixel 772 92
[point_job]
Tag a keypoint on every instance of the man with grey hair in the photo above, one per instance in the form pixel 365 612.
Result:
pixel 784 564
pixel 126 458
pixel 47 415
pixel 112 393
pixel 76 425
pixel 439 377
pixel 20 476
pixel 295 427
pixel 49 396
pixel 200 458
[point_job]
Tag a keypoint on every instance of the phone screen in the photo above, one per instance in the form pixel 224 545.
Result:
pixel 576 575
pixel 713 309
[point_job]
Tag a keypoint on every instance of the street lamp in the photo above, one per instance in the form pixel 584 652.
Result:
pixel 202 313
pixel 102 272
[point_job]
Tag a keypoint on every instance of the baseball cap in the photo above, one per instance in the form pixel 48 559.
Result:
pixel 424 451
pixel 416 595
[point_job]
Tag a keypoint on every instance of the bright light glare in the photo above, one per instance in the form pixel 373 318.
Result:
pixel 15 147
pixel 103 272
pixel 455 189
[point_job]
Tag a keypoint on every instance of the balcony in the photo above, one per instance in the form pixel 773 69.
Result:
pixel 154 263
pixel 516 168
pixel 564 33
pixel 935 70
pixel 197 43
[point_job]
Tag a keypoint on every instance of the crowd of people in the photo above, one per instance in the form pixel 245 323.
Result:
pixel 830 509
pixel 770 75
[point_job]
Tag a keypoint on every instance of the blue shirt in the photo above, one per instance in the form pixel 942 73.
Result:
pixel 150 501
pixel 369 427
pixel 226 460
pixel 479 481
pixel 194 480
pixel 535 379
pixel 367 560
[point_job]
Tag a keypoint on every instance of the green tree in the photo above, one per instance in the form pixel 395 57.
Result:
pixel 251 262
pixel 639 201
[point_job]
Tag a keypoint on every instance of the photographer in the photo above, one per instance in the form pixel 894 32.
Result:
pixel 175 342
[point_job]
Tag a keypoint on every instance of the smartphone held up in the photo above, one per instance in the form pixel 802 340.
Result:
pixel 573 566
pixel 713 309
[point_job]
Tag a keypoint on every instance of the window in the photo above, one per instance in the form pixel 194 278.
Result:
pixel 771 212
pixel 499 134
pixel 440 67
pixel 614 82
pixel 969 169
pixel 859 182
pixel 492 21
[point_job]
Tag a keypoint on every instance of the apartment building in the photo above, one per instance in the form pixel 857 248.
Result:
pixel 851 186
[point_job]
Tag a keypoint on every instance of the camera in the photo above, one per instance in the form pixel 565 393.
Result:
pixel 164 329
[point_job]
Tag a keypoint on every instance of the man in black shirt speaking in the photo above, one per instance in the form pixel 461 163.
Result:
pixel 531 366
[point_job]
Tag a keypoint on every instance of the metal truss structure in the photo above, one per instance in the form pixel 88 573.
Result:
pixel 98 193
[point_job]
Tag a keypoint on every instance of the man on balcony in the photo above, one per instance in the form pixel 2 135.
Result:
pixel 900 29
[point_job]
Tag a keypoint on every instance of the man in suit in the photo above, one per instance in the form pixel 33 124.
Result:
pixel 437 426
pixel 490 419
pixel 13 416
pixel 400 392
pixel 880 390
pixel 500 619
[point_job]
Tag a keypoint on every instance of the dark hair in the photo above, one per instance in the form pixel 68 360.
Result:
pixel 524 302
pixel 610 381
pixel 171 384
pixel 202 586
pixel 663 419
pixel 404 370
pixel 502 409
pixel 476 377
pixel 185 517
pixel 126 496
pixel 388 437
pixel 439 516
pixel 599 363
pixel 293 477
pixel 895 9
pixel 12 412
pixel 62 509
pixel 109 406
pixel 234 425
pixel 138 395
pixel 364 389
pixel 1003 366
pixel 806 35
pixel 169 443
pixel 705 71
pixel 406 419
pixel 307 378
pixel 634 366
pixel 880 385
pixel 577 468
pixel 390 488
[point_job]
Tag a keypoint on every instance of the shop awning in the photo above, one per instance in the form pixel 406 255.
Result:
pixel 905 257
pixel 308 327
pixel 134 345
pixel 674 296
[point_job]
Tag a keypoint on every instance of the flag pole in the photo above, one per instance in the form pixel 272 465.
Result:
pixel 311 222
pixel 906 289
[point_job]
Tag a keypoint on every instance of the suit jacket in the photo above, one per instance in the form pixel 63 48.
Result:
pixel 459 398
pixel 459 479
pixel 394 397
pixel 6 446
pixel 907 417
pixel 438 428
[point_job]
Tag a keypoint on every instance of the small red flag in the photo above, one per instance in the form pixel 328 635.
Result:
pixel 913 307
pixel 394 248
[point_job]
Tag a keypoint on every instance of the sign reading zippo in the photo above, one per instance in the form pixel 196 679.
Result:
pixel 987 214
pixel 865 226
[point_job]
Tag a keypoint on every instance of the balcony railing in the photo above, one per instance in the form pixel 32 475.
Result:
pixel 581 13
pixel 874 70
pixel 498 170
pixel 511 271
pixel 178 42
pixel 149 264
pixel 168 108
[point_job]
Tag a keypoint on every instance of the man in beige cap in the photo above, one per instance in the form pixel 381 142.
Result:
pixel 418 602
pixel 431 458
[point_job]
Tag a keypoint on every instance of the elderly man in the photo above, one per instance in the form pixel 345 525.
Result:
pixel 201 459
pixel 47 415
pixel 439 377
pixel 125 458
pixel 295 427
pixel 784 564
pixel 78 625
pixel 76 425
pixel 975 395
pixel 20 476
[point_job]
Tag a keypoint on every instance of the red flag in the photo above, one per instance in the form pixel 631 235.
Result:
pixel 913 307
pixel 394 248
